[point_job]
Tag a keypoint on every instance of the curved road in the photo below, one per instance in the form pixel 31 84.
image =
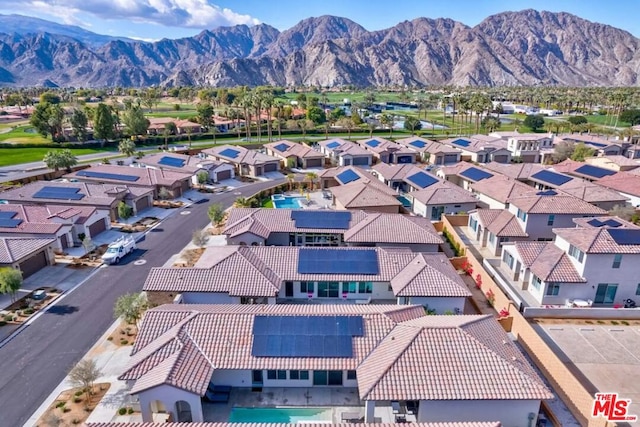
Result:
pixel 38 359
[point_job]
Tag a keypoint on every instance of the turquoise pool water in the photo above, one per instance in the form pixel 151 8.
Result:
pixel 279 415
pixel 405 202
pixel 286 202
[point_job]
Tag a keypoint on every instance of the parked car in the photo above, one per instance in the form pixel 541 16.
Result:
pixel 119 249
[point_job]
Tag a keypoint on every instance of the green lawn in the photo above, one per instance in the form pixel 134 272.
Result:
pixel 267 203
pixel 14 156
pixel 182 114
pixel 606 121
pixel 24 134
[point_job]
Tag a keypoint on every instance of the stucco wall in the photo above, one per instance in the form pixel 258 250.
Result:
pixel 169 396
pixel 511 413
pixel 245 238
pixel 440 304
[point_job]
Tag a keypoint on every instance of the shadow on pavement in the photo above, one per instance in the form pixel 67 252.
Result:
pixel 131 257
pixel 61 310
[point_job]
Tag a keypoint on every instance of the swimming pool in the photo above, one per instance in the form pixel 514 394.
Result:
pixel 286 202
pixel 280 415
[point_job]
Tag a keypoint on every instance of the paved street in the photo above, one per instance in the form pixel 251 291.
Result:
pixel 38 359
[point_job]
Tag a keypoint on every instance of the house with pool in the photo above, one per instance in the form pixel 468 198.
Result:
pixel 273 275
pixel 446 368
pixel 286 227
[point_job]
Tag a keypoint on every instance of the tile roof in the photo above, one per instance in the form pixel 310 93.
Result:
pixel 245 156
pixel 585 222
pixel 419 357
pixel 501 222
pixel 622 161
pixel 591 192
pixel 13 249
pixel 345 147
pixel 448 358
pixel 548 262
pixel 501 188
pixel 392 172
pixel 294 149
pixel 429 275
pixel 307 424
pixel 558 204
pixel 384 145
pixel 595 241
pixel 362 195
pixel 38 219
pixel 442 193
pixel 623 182
pixel 97 195
pixel 255 271
pixel 477 143
pixel 192 164
pixel 519 171
pixel 146 176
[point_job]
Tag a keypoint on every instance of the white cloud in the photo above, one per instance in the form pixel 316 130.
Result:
pixel 199 14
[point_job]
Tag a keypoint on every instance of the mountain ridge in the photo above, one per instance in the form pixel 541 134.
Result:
pixel 527 47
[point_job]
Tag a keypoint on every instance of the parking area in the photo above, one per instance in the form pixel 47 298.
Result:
pixel 604 354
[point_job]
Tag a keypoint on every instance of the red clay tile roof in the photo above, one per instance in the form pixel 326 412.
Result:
pixel 519 171
pixel 501 188
pixel 294 149
pixel 558 204
pixel 591 192
pixel 13 249
pixel 429 275
pixel 548 262
pixel 249 157
pixel 448 358
pixel 392 172
pixel 623 182
pixel 361 195
pixel 595 241
pixel 443 193
pixel 384 146
pixel 146 176
pixel 501 222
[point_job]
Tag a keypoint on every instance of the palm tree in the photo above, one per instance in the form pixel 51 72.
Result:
pixel 387 120
pixel 268 103
pixel 304 124
pixel 346 123
pixel 257 102
pixel 126 147
pixel 311 178
pixel 291 178
pixel 372 126
pixel 169 129
pixel 242 202
pixel 246 103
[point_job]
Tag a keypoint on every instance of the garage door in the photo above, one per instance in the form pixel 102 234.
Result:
pixel 33 264
pixel 142 204
pixel 223 175
pixel 361 161
pixel 450 158
pixel 270 167
pixel 97 228
pixel 64 242
pixel 314 163
pixel 501 159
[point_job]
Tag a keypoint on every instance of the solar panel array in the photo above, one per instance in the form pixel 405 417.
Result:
pixel 282 147
pixel 336 261
pixel 305 336
pixel 625 236
pixel 417 143
pixel 347 176
pixel 321 219
pixel 105 175
pixel 333 145
pixel 372 143
pixel 546 193
pixel 551 177
pixel 174 162
pixel 422 179
pixel 230 152
pixel 59 193
pixel 594 171
pixel 475 174
pixel 461 142
pixel 7 220
pixel 610 223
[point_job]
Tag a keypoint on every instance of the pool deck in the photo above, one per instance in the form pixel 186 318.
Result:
pixel 337 399
pixel 315 201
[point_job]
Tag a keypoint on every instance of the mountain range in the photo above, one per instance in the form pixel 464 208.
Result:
pixel 512 48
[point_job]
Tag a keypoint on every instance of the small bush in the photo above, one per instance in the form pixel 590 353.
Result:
pixel 122 411
pixel 601 322
pixel 77 399
pixel 75 421
pixel 130 411
pixel 124 342
pixel 61 404
pixel 28 311
pixel 589 322
pixel 624 322
pixel 8 317
pixel 615 322
pixel 2 323
pixel 110 339
pixel 78 393
pixel 65 410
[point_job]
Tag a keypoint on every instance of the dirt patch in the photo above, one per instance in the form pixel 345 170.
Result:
pixel 124 335
pixel 139 226
pixel 24 308
pixel 586 322
pixel 73 406
pixel 167 204
pixel 189 257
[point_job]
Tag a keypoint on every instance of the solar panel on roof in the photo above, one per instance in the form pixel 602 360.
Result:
pixel 7 214
pixel 551 177
pixel 282 147
pixel 612 223
pixel 624 236
pixel 104 175
pixel 333 145
pixel 422 179
pixel 336 261
pixel 609 223
pixel 594 171
pixel 230 152
pixel 372 143
pixel 475 174
pixel 59 193
pixel 347 176
pixel 461 142
pixel 546 193
pixel 321 219
pixel 417 143
pixel 171 161
pixel 10 222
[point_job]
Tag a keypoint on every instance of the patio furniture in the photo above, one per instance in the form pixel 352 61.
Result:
pixel 401 418
pixel 395 406
pixel 212 397
pixel 350 417
pixel 582 303
pixel 412 407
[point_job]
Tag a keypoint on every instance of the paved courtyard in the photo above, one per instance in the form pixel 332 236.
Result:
pixel 604 356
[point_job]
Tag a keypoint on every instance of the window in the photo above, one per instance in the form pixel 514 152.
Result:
pixel 536 282
pixel 508 259
pixel 282 375
pixel 327 377
pixel 365 287
pixel 638 289
pixel 576 253
pixel 550 219
pixel 335 377
pixel 276 375
pixel 617 260
pixel 271 375
pixel 298 375
pixel 553 289
pixel 521 214
pixel 606 293
pixel 473 223
pixel 306 287
pixel 328 289
pixel 350 287
pixel 492 238
pixel 351 375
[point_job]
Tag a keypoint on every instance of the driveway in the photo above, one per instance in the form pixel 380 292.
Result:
pixel 35 361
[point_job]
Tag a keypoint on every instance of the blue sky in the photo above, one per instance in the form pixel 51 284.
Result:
pixel 156 19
